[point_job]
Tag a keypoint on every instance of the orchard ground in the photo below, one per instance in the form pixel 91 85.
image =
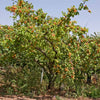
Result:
pixel 43 98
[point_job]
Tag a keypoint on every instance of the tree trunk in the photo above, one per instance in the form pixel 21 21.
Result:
pixel 88 78
pixel 51 79
pixel 51 83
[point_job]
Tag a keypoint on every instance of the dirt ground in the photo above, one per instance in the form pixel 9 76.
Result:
pixel 42 98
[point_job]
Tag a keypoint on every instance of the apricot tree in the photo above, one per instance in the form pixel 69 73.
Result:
pixel 39 40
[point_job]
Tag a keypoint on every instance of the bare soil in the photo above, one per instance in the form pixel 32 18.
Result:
pixel 47 97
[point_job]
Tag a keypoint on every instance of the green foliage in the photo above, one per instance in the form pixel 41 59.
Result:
pixel 93 92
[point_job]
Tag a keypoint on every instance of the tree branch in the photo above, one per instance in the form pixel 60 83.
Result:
pixel 39 49
pixel 37 61
pixel 52 46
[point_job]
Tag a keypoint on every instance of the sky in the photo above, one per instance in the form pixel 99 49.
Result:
pixel 54 9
